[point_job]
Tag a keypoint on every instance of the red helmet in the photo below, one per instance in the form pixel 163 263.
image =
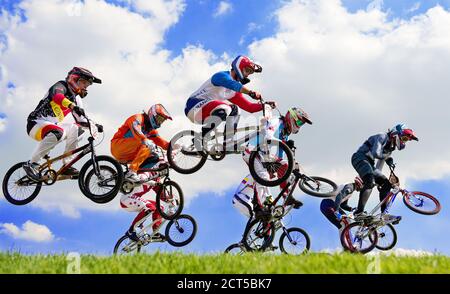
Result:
pixel 158 114
pixel 241 62
pixel 400 134
pixel 295 118
pixel 77 73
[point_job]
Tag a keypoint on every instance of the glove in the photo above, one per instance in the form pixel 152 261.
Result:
pixel 254 95
pixel 272 104
pixel 99 128
pixel 149 143
pixel 79 111
pixel 389 161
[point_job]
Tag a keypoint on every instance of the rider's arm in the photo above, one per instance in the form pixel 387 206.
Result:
pixel 134 123
pixel 246 105
pixel 156 138
pixel 58 92
pixel 378 142
pixel 347 190
pixel 223 79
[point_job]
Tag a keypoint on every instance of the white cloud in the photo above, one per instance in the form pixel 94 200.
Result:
pixel 30 231
pixel 121 47
pixel 355 73
pixel 358 74
pixel 413 8
pixel 375 4
pixel 224 7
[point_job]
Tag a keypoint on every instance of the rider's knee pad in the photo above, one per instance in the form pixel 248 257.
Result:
pixel 221 113
pixel 234 110
pixel 369 181
pixel 385 187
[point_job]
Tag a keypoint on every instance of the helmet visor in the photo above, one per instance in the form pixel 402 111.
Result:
pixel 298 121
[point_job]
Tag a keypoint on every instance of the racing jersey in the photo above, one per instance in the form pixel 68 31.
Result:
pixel 54 107
pixel 376 147
pixel 222 87
pixel 138 126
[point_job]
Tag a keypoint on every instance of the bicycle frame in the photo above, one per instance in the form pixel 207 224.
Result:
pixel 83 150
pixel 144 242
pixel 255 131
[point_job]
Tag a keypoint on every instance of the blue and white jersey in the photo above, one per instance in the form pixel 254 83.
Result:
pixel 220 86
pixel 273 129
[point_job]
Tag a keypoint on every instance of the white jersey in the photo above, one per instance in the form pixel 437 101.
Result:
pixel 243 197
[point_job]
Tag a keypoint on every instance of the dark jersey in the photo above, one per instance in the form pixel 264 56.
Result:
pixel 55 105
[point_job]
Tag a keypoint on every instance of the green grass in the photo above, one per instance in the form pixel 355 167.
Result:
pixel 178 263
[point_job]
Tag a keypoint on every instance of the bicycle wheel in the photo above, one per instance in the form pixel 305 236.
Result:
pixel 102 187
pixel 169 200
pixel 299 242
pixel 318 186
pixel 258 235
pixel 18 188
pixel 387 237
pixel 181 231
pixel 272 163
pixel 189 158
pixel 355 238
pixel 422 203
pixel 235 249
pixel 126 246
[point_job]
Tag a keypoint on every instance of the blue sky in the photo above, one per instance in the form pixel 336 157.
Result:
pixel 219 223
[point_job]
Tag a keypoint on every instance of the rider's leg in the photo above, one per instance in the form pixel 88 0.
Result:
pixel 369 183
pixel 231 124
pixel 244 207
pixel 327 209
pixel 217 117
pixel 365 170
pixel 73 132
pixel 385 187
pixel 48 134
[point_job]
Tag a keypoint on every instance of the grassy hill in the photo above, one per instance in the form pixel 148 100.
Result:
pixel 178 263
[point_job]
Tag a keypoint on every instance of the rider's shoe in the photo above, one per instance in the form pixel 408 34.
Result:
pixel 296 204
pixel 158 237
pixel 32 170
pixel 132 176
pixel 131 234
pixel 360 216
pixel 393 219
pixel 71 171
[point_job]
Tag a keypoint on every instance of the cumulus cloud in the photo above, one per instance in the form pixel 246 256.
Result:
pixel 223 8
pixel 358 74
pixel 413 8
pixel 30 231
pixel 121 46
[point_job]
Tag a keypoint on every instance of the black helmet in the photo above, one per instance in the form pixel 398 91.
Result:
pixel 84 74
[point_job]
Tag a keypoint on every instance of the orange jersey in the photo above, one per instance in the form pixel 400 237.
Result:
pixel 138 126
